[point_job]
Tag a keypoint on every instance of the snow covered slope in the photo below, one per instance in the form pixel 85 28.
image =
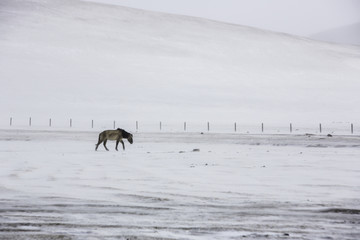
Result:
pixel 68 58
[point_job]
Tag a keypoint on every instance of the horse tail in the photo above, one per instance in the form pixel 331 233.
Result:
pixel 99 139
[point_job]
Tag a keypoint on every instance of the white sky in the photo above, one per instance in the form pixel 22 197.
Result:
pixel 299 17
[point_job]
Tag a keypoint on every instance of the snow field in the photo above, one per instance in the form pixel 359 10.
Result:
pixel 53 184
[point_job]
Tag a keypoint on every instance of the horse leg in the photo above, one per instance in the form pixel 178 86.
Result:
pixel 117 143
pixel 122 142
pixel 105 145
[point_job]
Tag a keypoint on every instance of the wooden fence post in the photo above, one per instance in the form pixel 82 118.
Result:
pixel 10 121
pixel 185 125
pixel 352 128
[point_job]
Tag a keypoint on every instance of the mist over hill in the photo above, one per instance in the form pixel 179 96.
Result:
pixel 80 59
pixel 349 34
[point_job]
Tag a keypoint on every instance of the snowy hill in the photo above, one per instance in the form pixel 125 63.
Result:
pixel 67 58
pixel 349 34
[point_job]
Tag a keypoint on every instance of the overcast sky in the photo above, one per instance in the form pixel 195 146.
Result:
pixel 299 17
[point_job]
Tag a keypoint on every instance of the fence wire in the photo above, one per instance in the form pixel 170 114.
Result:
pixel 339 128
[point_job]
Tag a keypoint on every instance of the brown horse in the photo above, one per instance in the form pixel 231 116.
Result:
pixel 117 135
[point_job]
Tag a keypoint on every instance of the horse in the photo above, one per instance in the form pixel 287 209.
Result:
pixel 117 135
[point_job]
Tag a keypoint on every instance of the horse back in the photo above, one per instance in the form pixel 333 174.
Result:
pixel 111 135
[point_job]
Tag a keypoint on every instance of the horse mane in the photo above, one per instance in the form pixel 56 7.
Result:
pixel 124 133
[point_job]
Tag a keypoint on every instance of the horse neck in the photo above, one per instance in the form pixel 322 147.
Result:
pixel 125 134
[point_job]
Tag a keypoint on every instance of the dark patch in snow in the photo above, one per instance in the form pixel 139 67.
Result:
pixel 317 146
pixel 342 210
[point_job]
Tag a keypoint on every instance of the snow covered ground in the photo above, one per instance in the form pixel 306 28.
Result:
pixel 54 185
pixel 63 59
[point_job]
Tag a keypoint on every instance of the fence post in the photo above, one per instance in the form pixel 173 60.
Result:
pixel 137 126
pixel 50 122
pixel 184 126
pixel 70 122
pixel 92 123
pixel 352 128
pixel 235 126
pixel 290 127
pixel 30 121
pixel 10 121
pixel 114 124
pixel 160 125
pixel 320 128
pixel 208 126
pixel 262 127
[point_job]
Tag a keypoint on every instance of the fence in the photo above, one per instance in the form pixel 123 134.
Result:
pixel 339 128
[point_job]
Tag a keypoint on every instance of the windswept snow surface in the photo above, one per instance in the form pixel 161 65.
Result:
pixel 53 185
pixel 64 59
pixel 80 59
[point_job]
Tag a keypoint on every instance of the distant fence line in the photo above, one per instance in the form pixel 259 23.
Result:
pixel 207 126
